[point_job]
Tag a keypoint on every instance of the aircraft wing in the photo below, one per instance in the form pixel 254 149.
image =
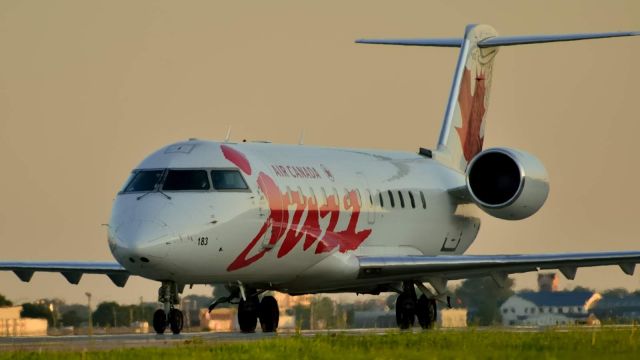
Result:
pixel 451 267
pixel 72 271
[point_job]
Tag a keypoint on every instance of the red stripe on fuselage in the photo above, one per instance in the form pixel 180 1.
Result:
pixel 237 158
pixel 309 230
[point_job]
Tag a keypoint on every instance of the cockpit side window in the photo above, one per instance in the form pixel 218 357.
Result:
pixel 228 180
pixel 184 180
pixel 144 180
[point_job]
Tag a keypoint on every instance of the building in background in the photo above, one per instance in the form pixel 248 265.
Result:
pixel 452 318
pixel 219 320
pixel 226 319
pixel 548 308
pixel 621 309
pixel 11 324
pixel 548 282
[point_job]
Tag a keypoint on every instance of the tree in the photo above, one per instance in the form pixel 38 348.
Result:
pixel 391 301
pixel 110 313
pixel 113 314
pixel 582 288
pixel 37 311
pixel 483 297
pixel 302 315
pixel 615 293
pixel 4 301
pixel 72 318
pixel 324 311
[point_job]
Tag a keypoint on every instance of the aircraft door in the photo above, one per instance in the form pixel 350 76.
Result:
pixel 270 211
pixel 367 205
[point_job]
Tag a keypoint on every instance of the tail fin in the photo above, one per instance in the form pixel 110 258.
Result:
pixel 463 128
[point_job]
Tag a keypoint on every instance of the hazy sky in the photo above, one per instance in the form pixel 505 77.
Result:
pixel 89 88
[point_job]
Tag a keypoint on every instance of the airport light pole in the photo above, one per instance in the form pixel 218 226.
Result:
pixel 90 319
pixel 52 309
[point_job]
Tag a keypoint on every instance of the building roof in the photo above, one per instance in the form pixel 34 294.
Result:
pixel 557 298
pixel 617 302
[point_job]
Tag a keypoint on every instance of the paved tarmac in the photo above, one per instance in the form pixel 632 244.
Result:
pixel 105 342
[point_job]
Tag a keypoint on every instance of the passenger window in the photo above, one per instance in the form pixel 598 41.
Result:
pixel 380 199
pixel 401 199
pixel 144 180
pixel 228 180
pixel 413 201
pixel 370 197
pixel 391 201
pixel 180 180
pixel 424 201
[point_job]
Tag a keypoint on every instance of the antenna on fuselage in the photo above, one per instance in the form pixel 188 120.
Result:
pixel 301 141
pixel 226 138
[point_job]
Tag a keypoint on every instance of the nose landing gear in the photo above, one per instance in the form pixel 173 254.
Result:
pixel 168 295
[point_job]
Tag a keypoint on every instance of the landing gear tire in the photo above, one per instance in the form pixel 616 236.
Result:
pixel 248 314
pixel 426 312
pixel 176 321
pixel 405 311
pixel 159 321
pixel 269 314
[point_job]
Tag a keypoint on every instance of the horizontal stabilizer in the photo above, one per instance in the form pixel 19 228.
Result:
pixel 497 40
pixel 451 42
pixel 538 39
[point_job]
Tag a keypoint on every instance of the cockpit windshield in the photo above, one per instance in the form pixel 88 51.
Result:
pixel 228 180
pixel 185 180
pixel 177 180
pixel 144 180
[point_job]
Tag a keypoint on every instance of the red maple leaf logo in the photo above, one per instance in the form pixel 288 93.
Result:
pixel 472 111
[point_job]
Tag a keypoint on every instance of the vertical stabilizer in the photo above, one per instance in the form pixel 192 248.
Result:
pixel 462 132
pixel 463 128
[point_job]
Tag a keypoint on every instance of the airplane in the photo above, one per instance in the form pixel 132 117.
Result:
pixel 260 217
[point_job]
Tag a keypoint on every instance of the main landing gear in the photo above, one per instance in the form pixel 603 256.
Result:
pixel 171 317
pixel 251 309
pixel 409 306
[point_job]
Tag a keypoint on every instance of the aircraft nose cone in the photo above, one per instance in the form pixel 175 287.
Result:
pixel 141 238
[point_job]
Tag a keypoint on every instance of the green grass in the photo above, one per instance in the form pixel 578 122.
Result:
pixel 471 344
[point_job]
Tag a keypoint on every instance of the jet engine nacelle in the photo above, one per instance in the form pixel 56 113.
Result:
pixel 507 183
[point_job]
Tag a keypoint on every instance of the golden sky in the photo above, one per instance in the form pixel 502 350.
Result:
pixel 89 88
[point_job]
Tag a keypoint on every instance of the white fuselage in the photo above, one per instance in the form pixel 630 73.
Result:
pixel 306 215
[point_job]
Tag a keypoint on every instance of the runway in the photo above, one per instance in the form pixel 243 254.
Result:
pixel 106 342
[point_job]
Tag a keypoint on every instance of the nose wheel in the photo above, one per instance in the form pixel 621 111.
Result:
pixel 176 321
pixel 169 316
pixel 159 321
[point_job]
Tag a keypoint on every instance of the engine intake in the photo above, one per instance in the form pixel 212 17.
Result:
pixel 507 183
